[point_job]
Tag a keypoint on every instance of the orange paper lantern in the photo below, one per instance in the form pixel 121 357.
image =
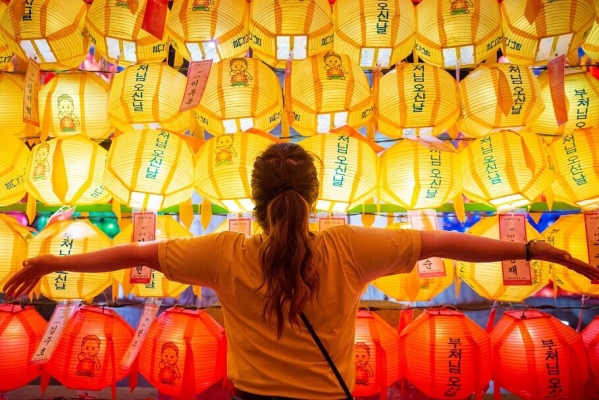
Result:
pixel 13 251
pixel 590 338
pixel 14 157
pixel 12 87
pixel 591 43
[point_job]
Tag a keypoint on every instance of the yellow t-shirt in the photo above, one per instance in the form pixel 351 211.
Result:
pixel 292 366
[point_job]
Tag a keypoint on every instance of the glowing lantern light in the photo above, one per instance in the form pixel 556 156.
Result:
pixel 416 100
pixel 446 355
pixel 247 94
pixel 184 352
pixel 14 156
pixel 374 33
pixel 536 356
pixel 21 330
pixel 6 54
pixel 209 29
pixel 590 338
pixel 13 237
pixel 591 44
pixel 12 88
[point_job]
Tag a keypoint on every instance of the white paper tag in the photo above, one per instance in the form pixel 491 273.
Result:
pixel 426 220
pixel 515 272
pixel 144 230
pixel 325 223
pixel 148 314
pixel 60 317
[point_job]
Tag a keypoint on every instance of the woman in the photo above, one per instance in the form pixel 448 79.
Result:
pixel 266 281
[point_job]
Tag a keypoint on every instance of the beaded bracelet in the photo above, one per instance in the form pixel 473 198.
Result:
pixel 527 250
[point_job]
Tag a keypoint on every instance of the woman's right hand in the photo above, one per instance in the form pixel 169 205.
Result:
pixel 25 279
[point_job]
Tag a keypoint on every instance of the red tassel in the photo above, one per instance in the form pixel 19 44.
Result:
pixel 188 389
pixel 133 375
pixel 381 369
pixel 491 320
pixel 111 360
pixel 45 380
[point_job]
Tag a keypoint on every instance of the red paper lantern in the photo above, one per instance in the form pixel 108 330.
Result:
pixel 590 338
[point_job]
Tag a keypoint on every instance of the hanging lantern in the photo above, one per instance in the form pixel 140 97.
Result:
pixel 591 43
pixel 416 100
pixel 6 54
pixel 159 176
pixel 21 330
pixel 183 353
pixel 67 171
pixel 506 170
pixel 283 27
pixel 590 338
pixel 486 278
pixel 14 156
pixel 209 29
pixel 452 33
pixel 329 91
pixel 148 96
pixel 67 238
pixel 374 33
pixel 536 356
pixel 499 96
pixel 116 33
pixel 90 350
pixel 246 94
pixel 446 355
pixel 12 87
pixel 13 251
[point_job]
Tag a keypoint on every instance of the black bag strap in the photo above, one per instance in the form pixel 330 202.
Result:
pixel 326 355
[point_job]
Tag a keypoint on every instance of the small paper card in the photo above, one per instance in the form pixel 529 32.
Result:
pixel 30 95
pixel 325 223
pixel 515 272
pixel 60 317
pixel 591 222
pixel 197 77
pixel 144 230
pixel 148 314
pixel 426 220
pixel 241 225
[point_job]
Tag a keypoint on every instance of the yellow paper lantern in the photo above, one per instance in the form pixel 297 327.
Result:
pixel 149 169
pixel 148 96
pixel 11 92
pixel 209 29
pixel 224 166
pixel 329 91
pixel 499 96
pixel 591 44
pixel 372 33
pixel 457 32
pixel 536 31
pixel 116 32
pixel 75 103
pixel 14 156
pixel 49 31
pixel 13 251
pixel 505 169
pixel 6 53
pixel 67 171
pixel 486 278
pixel 283 27
pixel 245 93
pixel 67 238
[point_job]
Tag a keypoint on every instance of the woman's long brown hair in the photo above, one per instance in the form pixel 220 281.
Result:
pixel 284 188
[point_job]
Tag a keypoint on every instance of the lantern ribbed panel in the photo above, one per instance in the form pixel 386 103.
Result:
pixel 114 31
pixel 372 33
pixel 14 156
pixel 183 353
pixel 347 174
pixel 148 96
pixel 448 31
pixel 377 355
pixel 446 355
pixel 559 27
pixel 415 177
pixel 11 92
pixel 21 330
pixel 486 278
pixel 527 347
pixel 68 170
pixel 591 43
pixel 506 169
pixel 489 88
pixel 280 27
pixel 75 103
pixel 149 169
pixel 329 91
pixel 223 169
pixel 13 251
pixel 90 350
pixel 246 93
pixel 6 53
pixel 67 238
pixel 416 100
pixel 209 29
pixel 590 338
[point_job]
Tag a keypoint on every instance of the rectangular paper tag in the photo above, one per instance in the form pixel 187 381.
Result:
pixel 591 222
pixel 144 230
pixel 30 95
pixel 241 225
pixel 148 314
pixel 60 317
pixel 426 220
pixel 555 69
pixel 155 18
pixel 325 223
pixel 197 76
pixel 515 272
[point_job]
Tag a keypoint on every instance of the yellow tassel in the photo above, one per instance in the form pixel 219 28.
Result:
pixel 459 208
pixel 549 198
pixel 205 213
pixel 370 130
pixel 285 128
pixel 127 285
pixel 390 219
pixel 367 219
pixel 413 284
pixel 197 290
pixel 31 206
pixel 116 210
pixel 59 175
pixel 536 216
pixel 186 213
pixel 458 285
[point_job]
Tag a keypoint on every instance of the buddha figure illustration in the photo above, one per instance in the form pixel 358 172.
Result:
pixel 203 5
pixel 66 114
pixel 239 72
pixel 334 66
pixel 460 6
pixel 225 150
pixel 363 369
pixel 41 165
pixel 89 362
pixel 169 372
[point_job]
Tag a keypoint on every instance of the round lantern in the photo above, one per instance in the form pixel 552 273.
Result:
pixel 14 156
pixel 148 96
pixel 376 354
pixel 209 29
pixel 67 171
pixel 416 100
pixel 13 237
pixel 590 338
pixel 536 356
pixel 506 170
pixel 591 43
pixel 75 103
pixel 6 54
pixel 67 238
pixel 329 91
pixel 452 33
pixel 183 353
pixel 486 278
pixel 374 33
pixel 223 169
pixel 12 87
pixel 245 94
pixel 90 350
pixel 49 31
pixel 159 175
pixel 499 96
pixel 446 355
pixel 283 27
pixel 116 32
pixel 21 330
